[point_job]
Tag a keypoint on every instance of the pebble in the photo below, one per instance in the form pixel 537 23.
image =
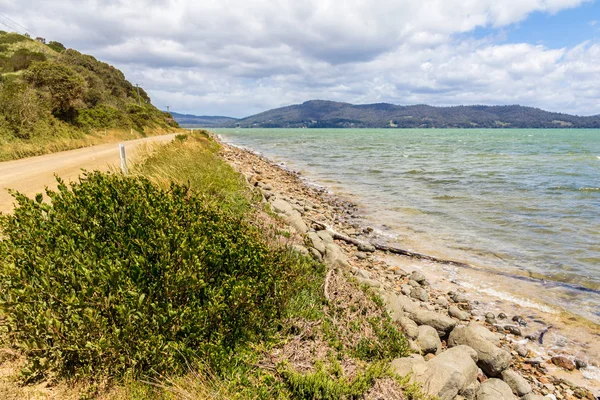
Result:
pixel 515 330
pixel 580 364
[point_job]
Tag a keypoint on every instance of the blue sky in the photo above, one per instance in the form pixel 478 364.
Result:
pixel 239 57
pixel 566 28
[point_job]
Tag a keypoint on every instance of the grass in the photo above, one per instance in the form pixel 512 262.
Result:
pixel 14 149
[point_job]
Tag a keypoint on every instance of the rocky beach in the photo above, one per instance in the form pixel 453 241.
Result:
pixel 466 344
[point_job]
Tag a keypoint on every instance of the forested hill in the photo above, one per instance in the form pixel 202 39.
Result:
pixel 49 91
pixel 204 121
pixel 328 114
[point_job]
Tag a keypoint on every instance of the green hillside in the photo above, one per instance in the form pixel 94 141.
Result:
pixel 50 94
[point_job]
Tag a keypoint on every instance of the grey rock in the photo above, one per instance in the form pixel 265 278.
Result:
pixel 522 350
pixel 456 312
pixel 281 206
pixel 335 257
pixel 428 340
pixel 398 304
pixel 532 396
pixel 325 237
pixel 414 364
pixel 414 347
pixel 442 301
pixel 360 255
pixel 502 316
pixel 361 273
pixel 315 254
pixel 366 247
pixel 514 329
pixel 418 277
pixel 406 289
pixel 410 327
pixel 295 220
pixel 580 364
pixel 517 383
pixel 459 298
pixel 449 374
pixel 492 359
pixel 420 294
pixel 266 194
pixel 442 323
pixel 301 249
pixel 316 242
pixel 267 186
pixel 494 389
pixel 400 272
pixel 369 282
pixel 414 283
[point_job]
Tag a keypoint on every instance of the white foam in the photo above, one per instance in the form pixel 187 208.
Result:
pixel 591 372
pixel 509 297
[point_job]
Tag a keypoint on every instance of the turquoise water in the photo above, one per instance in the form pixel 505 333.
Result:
pixel 524 202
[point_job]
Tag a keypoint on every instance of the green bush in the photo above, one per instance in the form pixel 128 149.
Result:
pixel 117 276
pixel 101 116
pixel 56 46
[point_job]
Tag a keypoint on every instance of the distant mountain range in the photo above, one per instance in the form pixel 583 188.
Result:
pixel 330 114
pixel 203 121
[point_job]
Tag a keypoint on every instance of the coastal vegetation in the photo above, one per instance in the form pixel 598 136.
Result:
pixel 330 114
pixel 176 282
pixel 53 98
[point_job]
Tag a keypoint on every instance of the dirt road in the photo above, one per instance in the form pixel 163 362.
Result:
pixel 32 175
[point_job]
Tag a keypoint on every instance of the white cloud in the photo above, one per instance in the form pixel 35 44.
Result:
pixel 242 56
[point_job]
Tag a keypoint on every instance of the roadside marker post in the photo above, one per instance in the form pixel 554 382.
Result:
pixel 123 158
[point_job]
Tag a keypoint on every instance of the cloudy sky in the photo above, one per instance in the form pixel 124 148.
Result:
pixel 240 57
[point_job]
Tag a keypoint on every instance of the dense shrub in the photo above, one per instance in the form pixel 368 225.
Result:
pixel 56 46
pixel 119 276
pixel 20 60
pixel 101 116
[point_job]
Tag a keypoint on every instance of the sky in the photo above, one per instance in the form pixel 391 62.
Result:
pixel 241 57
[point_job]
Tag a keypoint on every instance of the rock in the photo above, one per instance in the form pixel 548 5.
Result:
pixel 442 301
pixel 494 389
pixel 517 383
pixel 315 254
pixel 563 362
pixel 519 320
pixel 418 277
pixel 335 257
pixel 515 330
pixel 361 273
pixel 442 323
pixel 502 316
pixel 414 283
pixel 532 396
pixel 369 282
pixel 325 237
pixel 410 327
pixel 295 220
pixel 428 339
pixel 300 249
pixel 406 289
pixel 268 187
pixel 580 364
pixel 414 347
pixel 266 194
pixel 316 242
pixel 397 305
pixel 413 364
pixel 281 206
pixel 400 272
pixel 366 247
pixel 449 374
pixel 360 255
pixel 522 350
pixel 420 294
pixel 459 298
pixel 456 312
pixel 492 359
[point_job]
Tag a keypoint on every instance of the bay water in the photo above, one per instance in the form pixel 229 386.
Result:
pixel 518 202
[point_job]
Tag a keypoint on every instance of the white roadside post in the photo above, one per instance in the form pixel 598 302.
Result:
pixel 123 158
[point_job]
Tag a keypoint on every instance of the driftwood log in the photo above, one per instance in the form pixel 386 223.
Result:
pixel 383 247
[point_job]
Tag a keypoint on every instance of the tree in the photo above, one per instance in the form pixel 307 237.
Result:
pixel 65 86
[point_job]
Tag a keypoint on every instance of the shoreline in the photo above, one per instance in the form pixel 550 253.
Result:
pixel 343 215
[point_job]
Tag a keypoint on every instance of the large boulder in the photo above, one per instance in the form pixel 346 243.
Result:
pixel 410 327
pixel 495 389
pixel 445 376
pixel 443 324
pixel 325 237
pixel 492 359
pixel 517 383
pixel 428 339
pixel 295 220
pixel 399 305
pixel 281 206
